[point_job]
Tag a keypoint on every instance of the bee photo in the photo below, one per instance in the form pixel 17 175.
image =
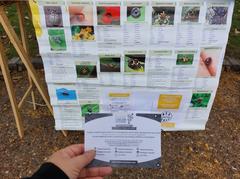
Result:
pixel 134 63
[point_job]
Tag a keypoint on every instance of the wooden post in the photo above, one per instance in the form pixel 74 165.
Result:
pixel 10 90
pixel 24 43
pixel 4 21
pixel 23 55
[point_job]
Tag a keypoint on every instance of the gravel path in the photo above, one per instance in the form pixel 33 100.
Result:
pixel 213 153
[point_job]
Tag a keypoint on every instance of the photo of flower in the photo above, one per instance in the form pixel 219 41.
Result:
pixel 135 14
pixel 190 14
pixel 81 15
pixel 217 15
pixel 57 39
pixel 82 33
pixel 200 100
pixel 134 63
pixel 185 59
pixel 53 16
pixel 86 71
pixel 108 15
pixel 163 15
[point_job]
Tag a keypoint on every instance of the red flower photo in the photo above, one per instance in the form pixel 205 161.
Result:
pixel 108 15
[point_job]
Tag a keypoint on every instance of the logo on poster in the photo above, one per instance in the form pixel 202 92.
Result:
pixel 166 116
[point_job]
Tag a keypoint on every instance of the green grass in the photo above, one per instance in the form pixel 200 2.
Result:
pixel 233 48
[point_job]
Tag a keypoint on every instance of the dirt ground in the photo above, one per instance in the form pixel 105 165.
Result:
pixel 213 153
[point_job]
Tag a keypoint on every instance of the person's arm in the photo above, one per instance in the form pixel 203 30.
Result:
pixel 70 163
pixel 49 171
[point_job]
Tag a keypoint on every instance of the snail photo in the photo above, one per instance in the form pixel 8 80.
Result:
pixel 135 14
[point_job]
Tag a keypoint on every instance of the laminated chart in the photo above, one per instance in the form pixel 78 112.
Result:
pixel 156 57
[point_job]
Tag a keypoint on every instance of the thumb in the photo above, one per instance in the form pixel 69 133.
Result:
pixel 83 160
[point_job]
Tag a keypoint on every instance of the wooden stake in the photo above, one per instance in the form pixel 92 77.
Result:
pixel 10 90
pixel 24 57
pixel 24 43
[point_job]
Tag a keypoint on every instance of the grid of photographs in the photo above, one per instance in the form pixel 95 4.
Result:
pixel 81 21
pixel 54 24
pixel 91 36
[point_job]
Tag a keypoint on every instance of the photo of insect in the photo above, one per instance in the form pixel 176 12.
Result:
pixel 163 15
pixel 208 61
pixel 89 108
pixel 200 100
pixel 190 14
pixel 185 59
pixel 86 71
pixel 83 33
pixel 217 15
pixel 53 16
pixel 110 64
pixel 135 63
pixel 66 94
pixel 57 39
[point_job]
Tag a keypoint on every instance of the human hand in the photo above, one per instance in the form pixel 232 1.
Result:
pixel 73 160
